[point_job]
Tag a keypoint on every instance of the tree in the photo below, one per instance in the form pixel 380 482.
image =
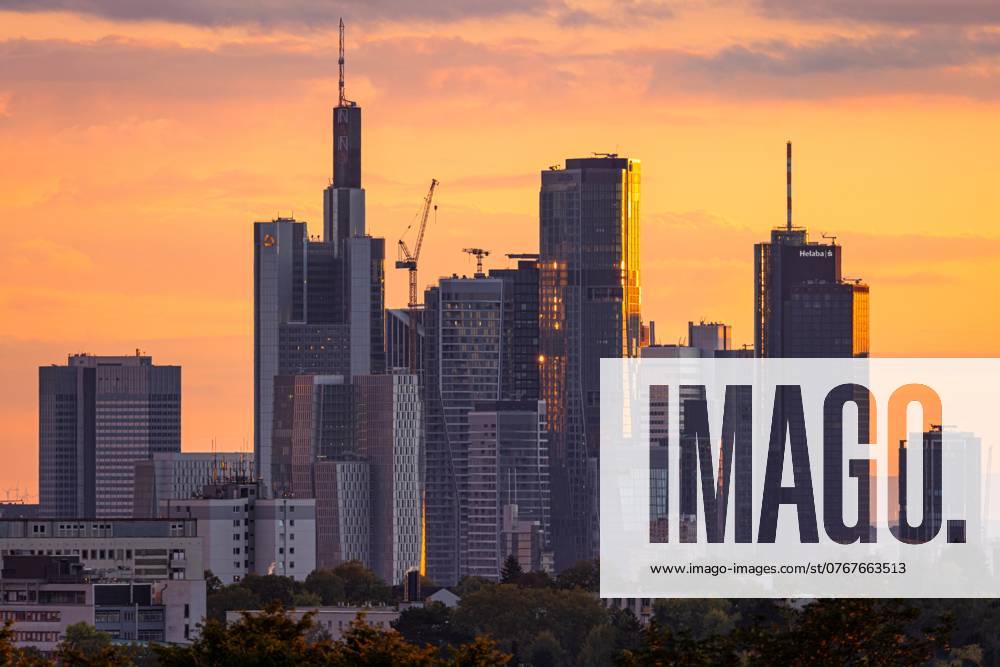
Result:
pixel 306 599
pixel 212 583
pixel 700 618
pixel 84 646
pixel 664 648
pixel 839 631
pixel 270 637
pixel 511 570
pixel 271 588
pixel 585 575
pixel 327 585
pixel 431 625
pixel 480 652
pixel 231 598
pixel 545 651
pixel 361 585
pixel 467 585
pixel 515 616
pixel 364 645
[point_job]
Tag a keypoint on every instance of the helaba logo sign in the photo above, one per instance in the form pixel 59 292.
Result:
pixel 815 252
pixel 796 477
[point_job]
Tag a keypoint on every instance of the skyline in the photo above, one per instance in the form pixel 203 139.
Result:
pixel 713 168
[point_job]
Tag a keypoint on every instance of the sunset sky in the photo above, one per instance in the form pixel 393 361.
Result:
pixel 141 140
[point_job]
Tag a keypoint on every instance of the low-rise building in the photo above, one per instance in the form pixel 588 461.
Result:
pixel 44 595
pixel 334 621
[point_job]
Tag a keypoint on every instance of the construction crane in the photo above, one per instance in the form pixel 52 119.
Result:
pixel 408 260
pixel 478 253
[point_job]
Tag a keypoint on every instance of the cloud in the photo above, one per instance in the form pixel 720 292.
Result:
pixel 883 51
pixel 892 12
pixel 927 62
pixel 274 13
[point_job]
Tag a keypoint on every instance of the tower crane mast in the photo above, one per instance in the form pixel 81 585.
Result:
pixel 408 260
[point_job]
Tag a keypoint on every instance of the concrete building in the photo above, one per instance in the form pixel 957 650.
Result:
pixel 136 549
pixel 244 533
pixel 508 468
pixel 589 309
pixel 98 415
pixel 44 595
pixel 182 475
pixel 389 427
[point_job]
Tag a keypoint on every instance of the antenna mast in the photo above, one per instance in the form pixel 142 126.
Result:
pixel 344 102
pixel 788 149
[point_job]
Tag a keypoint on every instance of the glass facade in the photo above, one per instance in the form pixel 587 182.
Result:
pixel 589 309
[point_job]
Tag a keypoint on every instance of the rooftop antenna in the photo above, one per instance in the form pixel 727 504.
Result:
pixel 344 102
pixel 831 237
pixel 788 156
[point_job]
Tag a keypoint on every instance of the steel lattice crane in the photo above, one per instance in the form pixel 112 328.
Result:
pixel 478 253
pixel 408 260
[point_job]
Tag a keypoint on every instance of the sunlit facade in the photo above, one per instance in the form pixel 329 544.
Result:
pixel 589 309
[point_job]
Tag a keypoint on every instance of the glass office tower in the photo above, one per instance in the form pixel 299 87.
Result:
pixel 589 309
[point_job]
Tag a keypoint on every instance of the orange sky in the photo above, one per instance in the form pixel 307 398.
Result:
pixel 140 141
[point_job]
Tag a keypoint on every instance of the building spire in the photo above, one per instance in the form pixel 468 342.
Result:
pixel 344 102
pixel 788 149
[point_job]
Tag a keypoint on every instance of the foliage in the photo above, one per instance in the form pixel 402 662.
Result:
pixel 585 575
pixel 431 625
pixel 701 618
pixel 515 616
pixel 511 570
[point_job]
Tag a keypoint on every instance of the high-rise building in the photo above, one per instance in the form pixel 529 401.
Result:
pixel 803 307
pixel 508 467
pixel 315 313
pixel 519 366
pixel 589 309
pixel 98 415
pixel 365 286
pixel 463 340
pixel 389 427
pixel 318 305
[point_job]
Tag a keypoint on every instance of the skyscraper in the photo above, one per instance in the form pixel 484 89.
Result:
pixel 318 305
pixel 98 416
pixel 803 307
pixel 299 319
pixel 389 417
pixel 589 309
pixel 519 366
pixel 463 325
pixel 344 198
